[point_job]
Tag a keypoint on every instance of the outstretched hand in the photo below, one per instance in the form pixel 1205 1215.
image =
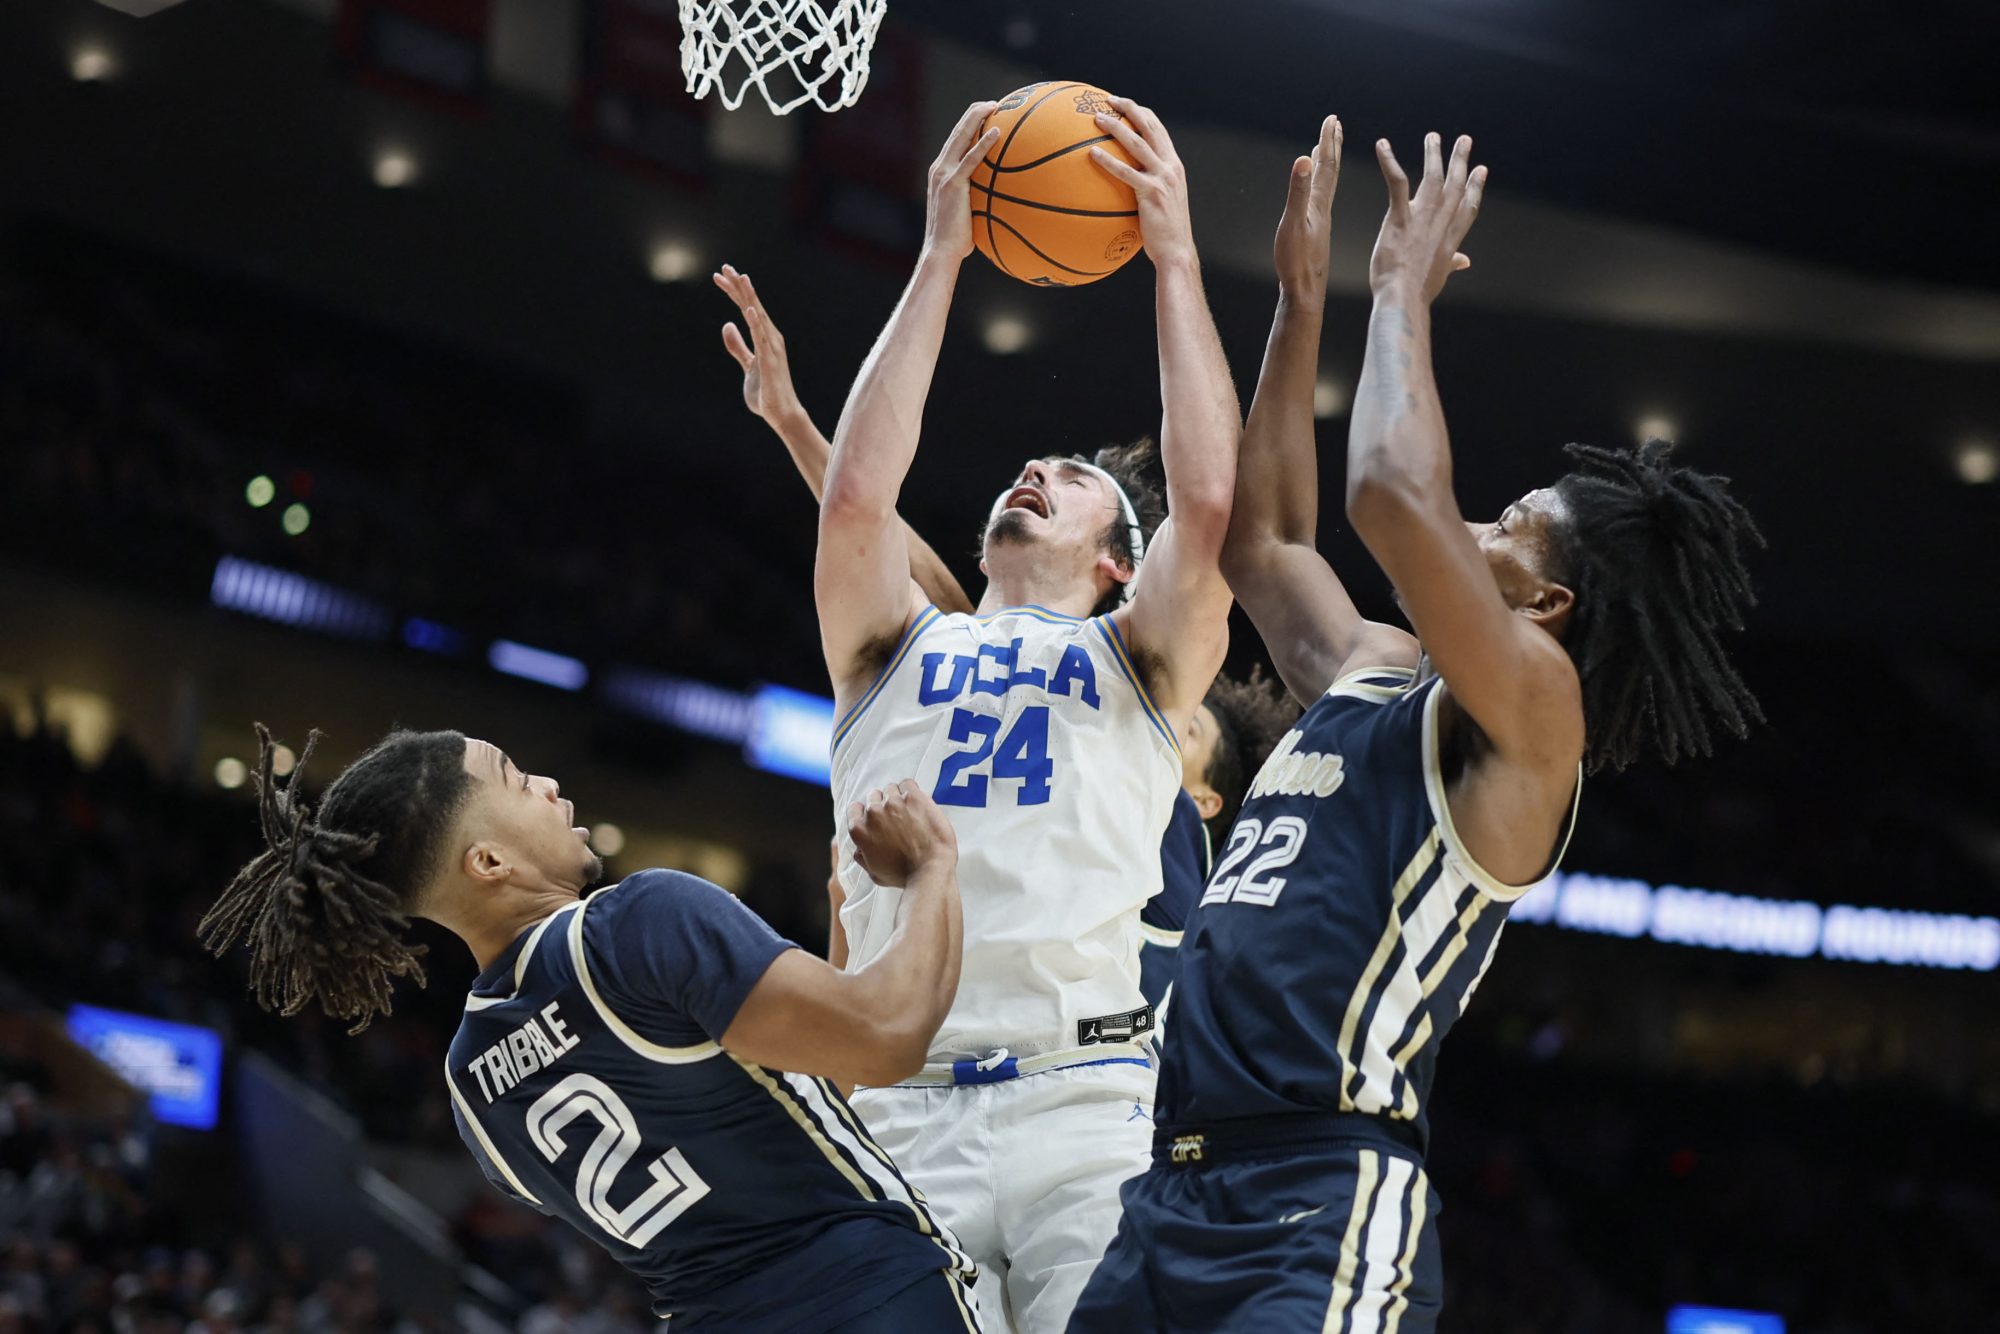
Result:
pixel 948 200
pixel 1420 237
pixel 1302 245
pixel 767 372
pixel 1159 180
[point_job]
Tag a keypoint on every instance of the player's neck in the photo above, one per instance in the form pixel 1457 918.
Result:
pixel 1037 588
pixel 488 932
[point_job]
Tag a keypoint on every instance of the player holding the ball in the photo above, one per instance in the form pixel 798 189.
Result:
pixel 1046 725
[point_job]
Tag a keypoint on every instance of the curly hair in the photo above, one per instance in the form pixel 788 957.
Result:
pixel 1251 717
pixel 1654 554
pixel 324 906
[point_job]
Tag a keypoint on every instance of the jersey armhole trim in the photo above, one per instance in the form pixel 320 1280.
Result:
pixel 1108 630
pixel 902 649
pixel 485 1143
pixel 1440 805
pixel 1357 685
pixel 623 1031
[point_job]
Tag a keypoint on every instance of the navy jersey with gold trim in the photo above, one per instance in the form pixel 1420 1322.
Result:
pixel 1184 861
pixel 587 1079
pixel 1344 929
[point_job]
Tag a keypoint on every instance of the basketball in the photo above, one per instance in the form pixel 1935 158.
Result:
pixel 1042 210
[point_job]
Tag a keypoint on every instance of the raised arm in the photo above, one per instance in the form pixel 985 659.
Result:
pixel 768 393
pixel 1509 675
pixel 1178 618
pixel 874 1025
pixel 861 579
pixel 1271 559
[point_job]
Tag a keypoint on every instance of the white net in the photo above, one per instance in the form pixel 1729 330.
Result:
pixel 792 51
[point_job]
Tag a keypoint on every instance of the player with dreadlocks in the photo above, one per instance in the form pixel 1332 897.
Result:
pixel 1431 781
pixel 661 1012
pixel 1228 736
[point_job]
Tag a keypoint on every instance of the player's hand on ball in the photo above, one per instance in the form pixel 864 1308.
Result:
pixel 1421 234
pixel 767 372
pixel 1303 232
pixel 1160 181
pixel 948 206
pixel 899 831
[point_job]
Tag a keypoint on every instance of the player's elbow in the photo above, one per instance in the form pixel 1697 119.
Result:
pixel 890 1054
pixel 850 500
pixel 1381 498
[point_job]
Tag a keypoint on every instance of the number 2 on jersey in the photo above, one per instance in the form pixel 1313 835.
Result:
pixel 675 1188
pixel 1022 756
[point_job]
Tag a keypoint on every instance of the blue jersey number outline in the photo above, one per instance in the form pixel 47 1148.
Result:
pixel 1022 756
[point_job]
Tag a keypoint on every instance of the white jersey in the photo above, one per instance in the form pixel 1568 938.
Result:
pixel 1034 733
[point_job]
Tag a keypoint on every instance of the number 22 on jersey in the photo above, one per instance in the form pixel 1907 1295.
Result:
pixel 1021 756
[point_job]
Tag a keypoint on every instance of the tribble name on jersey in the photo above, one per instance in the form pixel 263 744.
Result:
pixel 997 669
pixel 1291 772
pixel 535 1045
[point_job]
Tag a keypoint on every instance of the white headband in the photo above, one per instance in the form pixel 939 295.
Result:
pixel 1134 536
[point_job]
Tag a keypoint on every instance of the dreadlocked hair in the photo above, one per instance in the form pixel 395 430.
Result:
pixel 324 906
pixel 1252 716
pixel 1132 466
pixel 1654 554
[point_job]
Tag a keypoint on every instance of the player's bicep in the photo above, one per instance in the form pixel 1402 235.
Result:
pixel 799 1017
pixel 1178 618
pixel 1309 625
pixel 862 588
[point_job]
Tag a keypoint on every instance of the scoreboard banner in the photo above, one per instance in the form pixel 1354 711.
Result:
pixel 432 51
pixel 631 103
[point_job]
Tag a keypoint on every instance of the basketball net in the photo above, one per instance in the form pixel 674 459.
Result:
pixel 793 51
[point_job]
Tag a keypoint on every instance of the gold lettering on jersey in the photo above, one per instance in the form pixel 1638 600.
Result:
pixel 1291 772
pixel 1189 1148
pixel 535 1045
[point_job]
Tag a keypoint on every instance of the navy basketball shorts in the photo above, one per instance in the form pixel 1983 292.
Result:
pixel 937 1303
pixel 1272 1224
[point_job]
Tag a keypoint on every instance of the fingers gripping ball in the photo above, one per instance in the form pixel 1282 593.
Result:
pixel 1041 209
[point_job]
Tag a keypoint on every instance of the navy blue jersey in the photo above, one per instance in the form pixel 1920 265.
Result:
pixel 1184 857
pixel 1344 929
pixel 587 1080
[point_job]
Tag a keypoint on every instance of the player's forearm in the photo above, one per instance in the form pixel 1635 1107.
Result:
pixel 932 575
pixel 877 436
pixel 1200 418
pixel 1398 454
pixel 809 449
pixel 905 991
pixel 1277 465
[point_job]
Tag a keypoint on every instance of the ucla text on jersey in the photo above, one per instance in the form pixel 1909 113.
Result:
pixel 1036 734
pixel 588 1080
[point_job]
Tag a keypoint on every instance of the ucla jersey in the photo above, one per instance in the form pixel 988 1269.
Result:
pixel 587 1080
pixel 1345 927
pixel 1036 736
pixel 1184 862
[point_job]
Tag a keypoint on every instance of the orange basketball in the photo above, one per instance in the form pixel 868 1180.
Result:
pixel 1041 209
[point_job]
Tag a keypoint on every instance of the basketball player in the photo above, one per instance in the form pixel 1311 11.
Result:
pixel 1048 727
pixel 1228 736
pixel 621 1064
pixel 1431 781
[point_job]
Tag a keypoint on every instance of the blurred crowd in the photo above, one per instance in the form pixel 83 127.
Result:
pixel 139 401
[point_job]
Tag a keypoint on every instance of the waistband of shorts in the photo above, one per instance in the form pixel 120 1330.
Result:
pixel 1241 1139
pixel 1000 1067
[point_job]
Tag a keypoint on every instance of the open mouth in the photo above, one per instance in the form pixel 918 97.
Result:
pixel 1028 498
